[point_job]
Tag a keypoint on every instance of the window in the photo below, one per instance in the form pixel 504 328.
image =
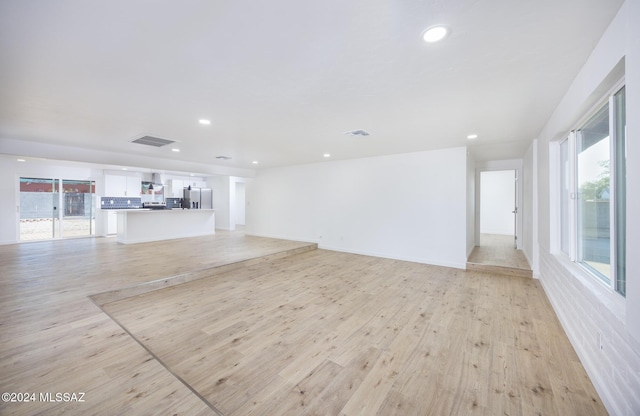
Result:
pixel 620 188
pixel 593 193
pixel 564 196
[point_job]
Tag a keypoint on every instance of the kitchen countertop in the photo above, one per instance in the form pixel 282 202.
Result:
pixel 151 209
pixel 162 210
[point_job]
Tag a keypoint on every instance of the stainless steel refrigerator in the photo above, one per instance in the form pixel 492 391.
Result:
pixel 206 198
pixel 198 198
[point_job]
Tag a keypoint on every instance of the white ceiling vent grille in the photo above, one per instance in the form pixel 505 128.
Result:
pixel 357 133
pixel 152 141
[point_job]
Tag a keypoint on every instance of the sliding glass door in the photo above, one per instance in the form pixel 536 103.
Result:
pixel 39 218
pixel 55 208
pixel 78 203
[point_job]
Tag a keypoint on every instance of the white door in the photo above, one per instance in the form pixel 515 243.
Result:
pixel 497 203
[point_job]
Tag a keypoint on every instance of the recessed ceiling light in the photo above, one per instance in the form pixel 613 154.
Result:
pixel 204 121
pixel 125 169
pixel 255 162
pixel 472 136
pixel 21 160
pixel 327 155
pixel 435 33
pixel 175 150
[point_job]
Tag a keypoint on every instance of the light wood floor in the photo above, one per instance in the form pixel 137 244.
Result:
pixel 497 254
pixel 317 332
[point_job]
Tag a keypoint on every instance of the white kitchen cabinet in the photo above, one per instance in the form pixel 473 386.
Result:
pixel 134 186
pixel 175 188
pixel 112 222
pixel 198 184
pixel 117 185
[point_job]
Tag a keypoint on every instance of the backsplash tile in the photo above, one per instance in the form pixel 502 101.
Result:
pixel 172 202
pixel 107 202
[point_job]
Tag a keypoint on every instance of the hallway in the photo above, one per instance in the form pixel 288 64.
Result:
pixel 497 254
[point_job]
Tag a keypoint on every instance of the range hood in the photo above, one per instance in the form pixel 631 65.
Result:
pixel 157 178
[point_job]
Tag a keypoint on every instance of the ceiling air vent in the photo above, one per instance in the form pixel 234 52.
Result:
pixel 152 141
pixel 357 133
pixel 223 157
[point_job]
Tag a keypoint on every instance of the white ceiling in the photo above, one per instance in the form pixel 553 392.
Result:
pixel 283 80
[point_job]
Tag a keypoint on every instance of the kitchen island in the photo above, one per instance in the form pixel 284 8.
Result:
pixel 142 225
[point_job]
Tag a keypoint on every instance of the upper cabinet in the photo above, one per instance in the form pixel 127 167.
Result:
pixel 174 190
pixel 120 185
pixel 134 186
pixel 116 185
pixel 175 187
pixel 197 184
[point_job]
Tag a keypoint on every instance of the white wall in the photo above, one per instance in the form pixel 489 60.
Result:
pixel 529 209
pixel 633 172
pixel 8 201
pixel 471 204
pixel 585 307
pixel 410 206
pixel 225 200
pixel 220 187
pixel 497 202
pixel 240 203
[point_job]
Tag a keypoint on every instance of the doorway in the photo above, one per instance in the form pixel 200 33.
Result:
pixel 497 240
pixel 498 204
pixel 56 208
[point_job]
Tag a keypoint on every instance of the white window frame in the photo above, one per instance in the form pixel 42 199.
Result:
pixel 573 196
